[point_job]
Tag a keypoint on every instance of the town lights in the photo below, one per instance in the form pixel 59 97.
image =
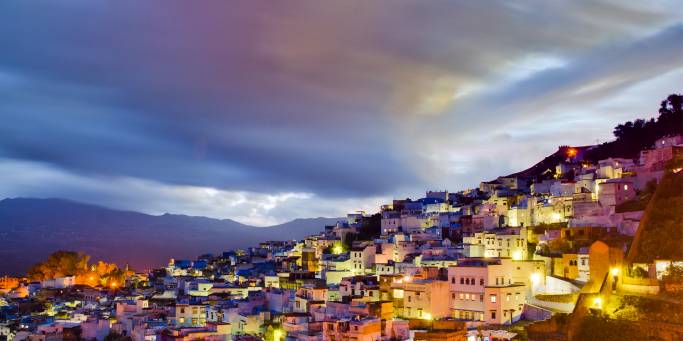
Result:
pixel 406 278
pixel 571 152
pixel 427 316
pixel 337 249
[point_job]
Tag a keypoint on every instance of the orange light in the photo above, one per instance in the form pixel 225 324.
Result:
pixel 571 152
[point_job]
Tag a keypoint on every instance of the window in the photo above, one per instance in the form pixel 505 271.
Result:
pixel 472 281
pixel 481 298
pixel 462 280
pixel 493 298
pixel 507 297
pixel 516 296
pixel 493 314
pixel 481 281
pixel 453 280
pixel 461 296
pixel 467 296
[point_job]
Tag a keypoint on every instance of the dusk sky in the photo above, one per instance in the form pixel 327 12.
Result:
pixel 267 111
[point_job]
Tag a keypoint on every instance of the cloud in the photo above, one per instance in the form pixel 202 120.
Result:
pixel 268 105
pixel 30 179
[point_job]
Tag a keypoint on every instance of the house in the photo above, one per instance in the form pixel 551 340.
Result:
pixel 422 299
pixel 616 191
pixel 491 290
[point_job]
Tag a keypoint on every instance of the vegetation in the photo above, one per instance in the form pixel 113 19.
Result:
pixel 60 264
pixel 674 274
pixel 606 329
pixel 542 227
pixel 371 227
pixel 632 137
pixel 114 336
pixel 71 263
pixel 662 237
pixel 640 308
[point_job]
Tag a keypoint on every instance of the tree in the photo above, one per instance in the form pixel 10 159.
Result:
pixel 634 136
pixel 60 264
pixel 71 263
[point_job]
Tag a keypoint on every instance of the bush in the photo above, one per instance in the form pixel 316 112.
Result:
pixel 605 329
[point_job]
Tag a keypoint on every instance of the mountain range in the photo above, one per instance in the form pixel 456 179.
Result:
pixel 31 229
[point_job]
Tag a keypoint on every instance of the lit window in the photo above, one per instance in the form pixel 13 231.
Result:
pixel 493 298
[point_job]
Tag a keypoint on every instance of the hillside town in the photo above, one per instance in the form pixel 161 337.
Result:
pixel 533 255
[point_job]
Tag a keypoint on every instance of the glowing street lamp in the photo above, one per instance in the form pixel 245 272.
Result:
pixel 535 278
pixel 277 334
pixel 517 255
pixel 614 271
pixel 597 303
pixel 337 249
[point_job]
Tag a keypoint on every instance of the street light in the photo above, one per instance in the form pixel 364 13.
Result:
pixel 614 271
pixel 597 303
pixel 277 334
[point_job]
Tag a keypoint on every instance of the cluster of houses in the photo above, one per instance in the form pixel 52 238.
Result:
pixel 450 266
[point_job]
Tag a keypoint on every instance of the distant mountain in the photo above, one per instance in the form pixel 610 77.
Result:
pixel 31 229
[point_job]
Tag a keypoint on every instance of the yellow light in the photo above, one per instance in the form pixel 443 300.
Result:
pixel 337 249
pixel 113 284
pixel 427 316
pixel 277 334
pixel 597 302
pixel 406 278
pixel 535 278
pixel 614 271
pixel 517 255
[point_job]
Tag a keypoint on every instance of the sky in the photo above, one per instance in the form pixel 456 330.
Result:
pixel 266 111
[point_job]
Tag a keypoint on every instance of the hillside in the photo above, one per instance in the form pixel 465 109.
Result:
pixel 30 229
pixel 660 234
